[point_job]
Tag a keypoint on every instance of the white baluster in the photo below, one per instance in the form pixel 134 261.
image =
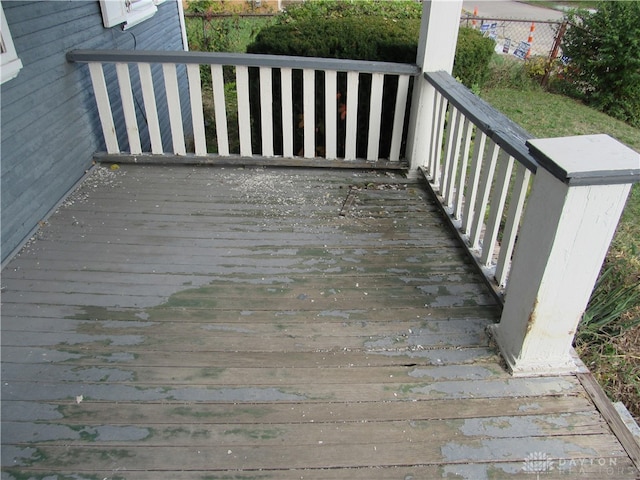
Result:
pixel 516 205
pixel 375 116
pixel 197 115
pixel 435 116
pixel 352 115
pixel 104 107
pixel 331 114
pixel 287 113
pixel 473 182
pixel 128 109
pixel 309 109
pixel 220 109
pixel 451 156
pixel 173 104
pixel 398 117
pixel 244 117
pixel 483 198
pixel 501 188
pixel 467 134
pixel 441 114
pixel 266 111
pixel 150 107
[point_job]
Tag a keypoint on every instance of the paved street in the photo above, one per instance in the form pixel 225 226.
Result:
pixel 511 9
pixel 514 32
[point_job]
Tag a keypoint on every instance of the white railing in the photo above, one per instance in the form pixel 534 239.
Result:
pixel 483 169
pixel 480 168
pixel 286 106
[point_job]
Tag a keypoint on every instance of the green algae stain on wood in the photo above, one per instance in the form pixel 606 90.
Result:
pixel 203 412
pixel 255 433
pixel 175 433
pixel 181 300
pixel 211 372
pixel 28 475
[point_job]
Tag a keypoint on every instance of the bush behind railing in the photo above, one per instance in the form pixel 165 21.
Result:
pixel 373 38
pixel 342 38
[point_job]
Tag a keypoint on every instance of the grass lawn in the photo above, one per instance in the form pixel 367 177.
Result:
pixel 614 358
pixel 545 114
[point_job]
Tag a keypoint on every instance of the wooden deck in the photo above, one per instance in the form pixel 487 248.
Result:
pixel 184 323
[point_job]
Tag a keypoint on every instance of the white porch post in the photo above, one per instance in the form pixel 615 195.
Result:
pixel 578 195
pixel 436 50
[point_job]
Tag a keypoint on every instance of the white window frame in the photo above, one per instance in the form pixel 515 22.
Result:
pixel 127 12
pixel 10 64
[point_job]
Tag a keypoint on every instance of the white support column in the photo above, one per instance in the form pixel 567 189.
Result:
pixel 436 50
pixel 578 195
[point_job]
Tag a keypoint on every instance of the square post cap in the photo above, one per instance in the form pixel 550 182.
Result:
pixel 587 159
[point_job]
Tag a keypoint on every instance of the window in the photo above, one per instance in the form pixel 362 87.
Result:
pixel 11 64
pixel 127 12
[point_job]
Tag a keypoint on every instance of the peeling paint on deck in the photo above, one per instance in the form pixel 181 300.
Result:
pixel 231 323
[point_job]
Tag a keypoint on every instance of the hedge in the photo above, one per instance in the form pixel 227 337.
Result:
pixel 366 38
pixel 372 38
pixel 473 54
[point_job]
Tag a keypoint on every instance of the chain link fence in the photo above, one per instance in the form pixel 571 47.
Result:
pixel 521 38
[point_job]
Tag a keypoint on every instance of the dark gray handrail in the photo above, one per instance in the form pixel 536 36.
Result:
pixel 507 134
pixel 242 59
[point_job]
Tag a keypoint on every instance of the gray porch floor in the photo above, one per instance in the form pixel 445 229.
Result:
pixel 180 322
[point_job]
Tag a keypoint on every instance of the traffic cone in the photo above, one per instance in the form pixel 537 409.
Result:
pixel 475 15
pixel 530 39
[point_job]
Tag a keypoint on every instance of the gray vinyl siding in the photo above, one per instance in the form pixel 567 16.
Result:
pixel 49 122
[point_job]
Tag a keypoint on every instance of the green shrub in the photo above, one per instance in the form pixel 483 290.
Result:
pixel 604 48
pixel 351 38
pixel 343 30
pixel 347 38
pixel 343 38
pixel 473 54
pixel 223 34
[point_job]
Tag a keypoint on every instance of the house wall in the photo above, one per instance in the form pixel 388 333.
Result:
pixel 49 123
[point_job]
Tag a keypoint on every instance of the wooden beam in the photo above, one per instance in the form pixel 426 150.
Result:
pixel 257 161
pixel 611 416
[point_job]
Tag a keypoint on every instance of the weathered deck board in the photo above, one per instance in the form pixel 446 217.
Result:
pixel 166 413
pixel 179 322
